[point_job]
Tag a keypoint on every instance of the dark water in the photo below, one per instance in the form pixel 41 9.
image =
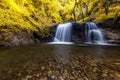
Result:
pixel 11 57
pixel 16 57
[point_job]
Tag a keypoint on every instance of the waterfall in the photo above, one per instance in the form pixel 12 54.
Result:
pixel 63 33
pixel 93 33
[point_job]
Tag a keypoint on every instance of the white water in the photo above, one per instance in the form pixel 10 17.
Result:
pixel 63 33
pixel 93 34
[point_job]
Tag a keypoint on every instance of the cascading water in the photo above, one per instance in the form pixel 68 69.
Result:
pixel 63 33
pixel 93 34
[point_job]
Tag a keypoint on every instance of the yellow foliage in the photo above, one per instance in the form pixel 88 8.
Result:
pixel 20 15
pixel 113 13
pixel 103 17
pixel 13 21
pixel 12 5
pixel 35 15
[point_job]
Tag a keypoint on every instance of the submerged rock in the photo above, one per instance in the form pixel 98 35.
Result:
pixel 77 68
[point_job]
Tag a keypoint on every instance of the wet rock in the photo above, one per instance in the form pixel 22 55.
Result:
pixel 111 37
pixel 16 39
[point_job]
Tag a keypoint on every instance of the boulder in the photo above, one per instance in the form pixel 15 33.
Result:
pixel 78 32
pixel 111 36
pixel 16 39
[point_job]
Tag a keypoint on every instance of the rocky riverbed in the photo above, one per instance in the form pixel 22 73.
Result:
pixel 72 68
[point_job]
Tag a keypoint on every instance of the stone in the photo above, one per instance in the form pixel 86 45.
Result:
pixel 42 68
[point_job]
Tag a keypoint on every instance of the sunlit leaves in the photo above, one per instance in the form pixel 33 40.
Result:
pixel 35 15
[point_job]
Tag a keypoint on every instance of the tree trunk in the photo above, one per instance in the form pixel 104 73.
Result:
pixel 106 10
pixel 82 14
pixel 74 12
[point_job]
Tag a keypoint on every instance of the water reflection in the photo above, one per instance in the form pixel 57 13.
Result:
pixel 62 52
pixel 100 52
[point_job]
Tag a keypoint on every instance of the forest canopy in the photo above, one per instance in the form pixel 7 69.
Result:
pixel 35 15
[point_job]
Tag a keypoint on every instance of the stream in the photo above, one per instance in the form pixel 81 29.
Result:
pixel 16 62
